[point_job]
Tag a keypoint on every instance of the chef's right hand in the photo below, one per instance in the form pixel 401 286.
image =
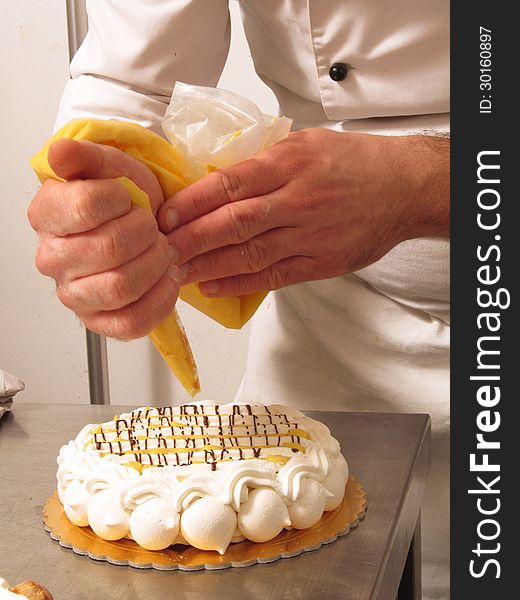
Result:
pixel 111 264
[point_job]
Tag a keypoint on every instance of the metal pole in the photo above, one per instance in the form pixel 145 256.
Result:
pixel 98 381
pixel 76 24
pixel 97 368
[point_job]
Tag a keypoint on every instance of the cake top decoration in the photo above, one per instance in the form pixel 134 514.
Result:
pixel 197 433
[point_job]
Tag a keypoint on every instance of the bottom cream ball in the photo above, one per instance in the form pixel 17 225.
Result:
pixel 335 483
pixel 75 503
pixel 208 524
pixel 154 525
pixel 308 508
pixel 107 517
pixel 263 515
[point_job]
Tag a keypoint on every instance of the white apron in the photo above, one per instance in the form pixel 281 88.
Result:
pixel 340 344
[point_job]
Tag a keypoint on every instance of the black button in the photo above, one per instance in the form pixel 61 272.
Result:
pixel 338 71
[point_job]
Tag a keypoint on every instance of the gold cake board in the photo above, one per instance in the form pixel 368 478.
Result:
pixel 82 540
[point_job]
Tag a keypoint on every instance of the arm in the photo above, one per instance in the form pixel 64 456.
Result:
pixel 136 50
pixel 111 265
pixel 316 205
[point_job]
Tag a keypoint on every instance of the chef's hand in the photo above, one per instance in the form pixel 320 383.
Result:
pixel 111 264
pixel 318 204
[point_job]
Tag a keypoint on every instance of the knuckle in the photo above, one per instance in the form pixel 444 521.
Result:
pixel 211 262
pixel 297 166
pixel 137 319
pixel 89 321
pixel 122 329
pixel 162 245
pixel 241 286
pixel 52 256
pixel 150 225
pixel 33 213
pixel 161 305
pixel 118 325
pixel 244 222
pixel 67 295
pixel 113 246
pixel 99 322
pixel 272 164
pixel 198 201
pixel 299 159
pixel 294 164
pixel 118 290
pixel 274 278
pixel 88 211
pixel 158 264
pixel 310 135
pixel 130 325
pixel 144 221
pixel 230 184
pixel 199 239
pixel 41 204
pixel 43 260
pixel 309 199
pixel 256 254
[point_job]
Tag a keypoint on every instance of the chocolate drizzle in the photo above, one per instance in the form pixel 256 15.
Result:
pixel 195 433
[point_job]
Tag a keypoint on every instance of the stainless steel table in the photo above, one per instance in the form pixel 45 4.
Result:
pixel 388 454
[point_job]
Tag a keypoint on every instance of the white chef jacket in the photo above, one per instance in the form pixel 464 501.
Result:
pixel 375 340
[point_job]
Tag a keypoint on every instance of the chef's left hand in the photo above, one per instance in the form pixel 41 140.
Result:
pixel 318 204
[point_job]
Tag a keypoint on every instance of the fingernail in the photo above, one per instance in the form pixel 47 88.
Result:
pixel 173 253
pixel 172 218
pixel 209 288
pixel 174 272
pixel 184 270
pixel 178 273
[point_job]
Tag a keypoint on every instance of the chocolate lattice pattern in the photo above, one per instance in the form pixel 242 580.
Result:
pixel 194 433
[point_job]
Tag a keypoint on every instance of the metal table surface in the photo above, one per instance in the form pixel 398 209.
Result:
pixel 387 453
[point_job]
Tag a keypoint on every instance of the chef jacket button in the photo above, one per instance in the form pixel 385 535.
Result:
pixel 338 71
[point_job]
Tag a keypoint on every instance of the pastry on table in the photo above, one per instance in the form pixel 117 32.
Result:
pixel 201 474
pixel 9 387
pixel 27 589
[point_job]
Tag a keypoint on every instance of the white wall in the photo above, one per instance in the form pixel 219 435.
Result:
pixel 40 341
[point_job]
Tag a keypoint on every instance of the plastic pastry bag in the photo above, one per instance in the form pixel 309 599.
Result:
pixel 213 129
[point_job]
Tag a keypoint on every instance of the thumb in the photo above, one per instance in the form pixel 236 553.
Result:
pixel 82 159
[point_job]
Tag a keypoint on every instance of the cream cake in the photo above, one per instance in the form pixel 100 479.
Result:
pixel 201 474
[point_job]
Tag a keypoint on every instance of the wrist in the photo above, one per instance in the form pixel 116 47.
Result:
pixel 425 185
